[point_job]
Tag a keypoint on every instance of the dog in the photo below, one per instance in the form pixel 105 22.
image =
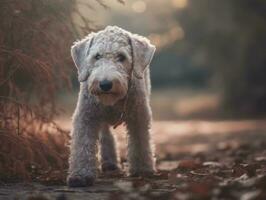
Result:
pixel 113 71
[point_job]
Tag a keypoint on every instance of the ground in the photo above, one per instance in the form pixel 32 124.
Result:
pixel 196 160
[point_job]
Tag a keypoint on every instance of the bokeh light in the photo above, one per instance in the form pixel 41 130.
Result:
pixel 170 36
pixel 139 6
pixel 180 3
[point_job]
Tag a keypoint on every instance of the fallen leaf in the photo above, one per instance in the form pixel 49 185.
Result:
pixel 212 164
pixel 189 164
pixel 250 195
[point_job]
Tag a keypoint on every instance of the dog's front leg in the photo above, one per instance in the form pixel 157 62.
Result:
pixel 82 160
pixel 140 151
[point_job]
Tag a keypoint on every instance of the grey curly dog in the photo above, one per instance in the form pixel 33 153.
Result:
pixel 114 76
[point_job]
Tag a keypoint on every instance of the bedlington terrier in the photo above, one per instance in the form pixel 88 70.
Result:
pixel 113 70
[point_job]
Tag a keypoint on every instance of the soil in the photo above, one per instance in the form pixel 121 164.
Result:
pixel 195 160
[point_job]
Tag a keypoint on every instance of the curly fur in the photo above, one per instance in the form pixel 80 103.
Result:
pixel 96 110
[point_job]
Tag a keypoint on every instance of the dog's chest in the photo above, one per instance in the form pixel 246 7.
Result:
pixel 112 114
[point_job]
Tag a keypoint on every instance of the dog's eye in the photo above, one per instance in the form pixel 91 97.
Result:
pixel 97 57
pixel 121 57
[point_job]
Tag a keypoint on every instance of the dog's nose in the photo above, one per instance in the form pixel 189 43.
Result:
pixel 106 85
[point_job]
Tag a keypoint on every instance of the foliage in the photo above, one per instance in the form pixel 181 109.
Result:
pixel 227 37
pixel 35 64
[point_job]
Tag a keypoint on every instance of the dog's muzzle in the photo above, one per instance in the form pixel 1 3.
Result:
pixel 108 91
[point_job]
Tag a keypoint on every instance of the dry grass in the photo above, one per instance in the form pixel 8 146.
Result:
pixel 31 74
pixel 35 65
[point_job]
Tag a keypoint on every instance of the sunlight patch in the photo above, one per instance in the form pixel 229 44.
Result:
pixel 139 6
pixel 180 3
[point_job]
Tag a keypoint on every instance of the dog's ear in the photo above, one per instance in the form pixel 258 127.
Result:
pixel 79 51
pixel 143 52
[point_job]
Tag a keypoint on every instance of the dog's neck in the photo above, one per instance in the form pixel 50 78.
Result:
pixel 122 116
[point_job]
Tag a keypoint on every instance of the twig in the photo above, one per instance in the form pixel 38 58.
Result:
pixel 9 75
pixel 18 120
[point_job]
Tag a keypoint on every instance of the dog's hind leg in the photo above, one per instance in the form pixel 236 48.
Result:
pixel 109 161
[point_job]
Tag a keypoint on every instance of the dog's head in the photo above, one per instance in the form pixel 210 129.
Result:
pixel 106 59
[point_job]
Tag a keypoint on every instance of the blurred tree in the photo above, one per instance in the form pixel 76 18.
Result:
pixel 229 36
pixel 33 59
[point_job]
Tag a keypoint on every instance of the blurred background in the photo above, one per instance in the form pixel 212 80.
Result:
pixel 210 59
pixel 210 65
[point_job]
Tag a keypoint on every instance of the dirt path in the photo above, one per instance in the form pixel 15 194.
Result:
pixel 196 160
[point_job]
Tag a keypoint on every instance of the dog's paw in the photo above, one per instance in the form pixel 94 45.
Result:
pixel 107 167
pixel 79 181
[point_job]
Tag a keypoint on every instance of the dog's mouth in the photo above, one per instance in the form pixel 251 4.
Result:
pixel 108 98
pixel 103 93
